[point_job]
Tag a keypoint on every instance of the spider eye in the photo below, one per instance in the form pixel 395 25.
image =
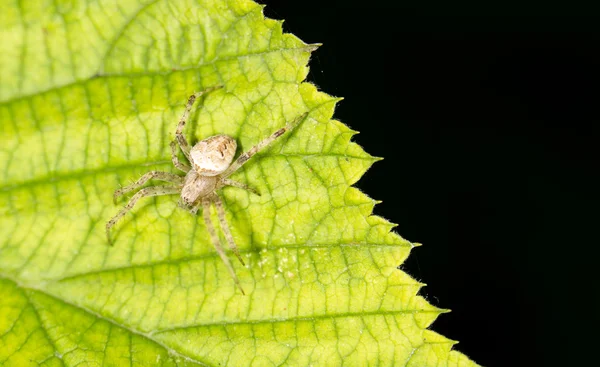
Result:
pixel 213 155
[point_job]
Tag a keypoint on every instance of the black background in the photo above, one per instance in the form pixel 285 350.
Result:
pixel 487 117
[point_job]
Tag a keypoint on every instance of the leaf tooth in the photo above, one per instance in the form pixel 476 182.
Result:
pixel 313 46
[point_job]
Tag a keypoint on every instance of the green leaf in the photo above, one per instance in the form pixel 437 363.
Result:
pixel 90 94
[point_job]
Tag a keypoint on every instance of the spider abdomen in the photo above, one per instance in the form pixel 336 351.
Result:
pixel 213 155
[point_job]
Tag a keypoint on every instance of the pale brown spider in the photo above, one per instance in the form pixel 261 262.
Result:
pixel 211 161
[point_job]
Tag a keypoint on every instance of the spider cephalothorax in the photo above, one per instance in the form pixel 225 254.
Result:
pixel 211 164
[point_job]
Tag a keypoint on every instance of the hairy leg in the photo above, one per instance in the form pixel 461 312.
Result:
pixel 216 243
pixel 185 147
pixel 193 209
pixel 180 166
pixel 221 214
pixel 258 147
pixel 228 182
pixel 148 191
pixel 163 176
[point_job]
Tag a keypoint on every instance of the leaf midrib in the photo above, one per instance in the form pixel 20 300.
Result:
pixel 24 290
pixel 326 316
pixel 213 254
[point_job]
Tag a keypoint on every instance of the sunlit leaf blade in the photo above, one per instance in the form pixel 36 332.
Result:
pixel 90 95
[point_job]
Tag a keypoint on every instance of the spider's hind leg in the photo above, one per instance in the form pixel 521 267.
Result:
pixel 180 166
pixel 244 157
pixel 183 143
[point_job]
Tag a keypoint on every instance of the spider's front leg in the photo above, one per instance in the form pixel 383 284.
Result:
pixel 214 198
pixel 193 209
pixel 215 240
pixel 225 227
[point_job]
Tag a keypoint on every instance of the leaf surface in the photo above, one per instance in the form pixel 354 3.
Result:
pixel 90 95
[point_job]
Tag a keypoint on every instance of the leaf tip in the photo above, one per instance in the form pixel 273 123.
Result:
pixel 443 310
pixel 313 46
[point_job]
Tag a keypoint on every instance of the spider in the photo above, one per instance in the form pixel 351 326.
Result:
pixel 211 165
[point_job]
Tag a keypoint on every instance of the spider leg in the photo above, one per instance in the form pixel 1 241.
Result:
pixel 228 182
pixel 163 176
pixel 185 147
pixel 148 191
pixel 193 209
pixel 180 166
pixel 216 243
pixel 258 147
pixel 221 214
